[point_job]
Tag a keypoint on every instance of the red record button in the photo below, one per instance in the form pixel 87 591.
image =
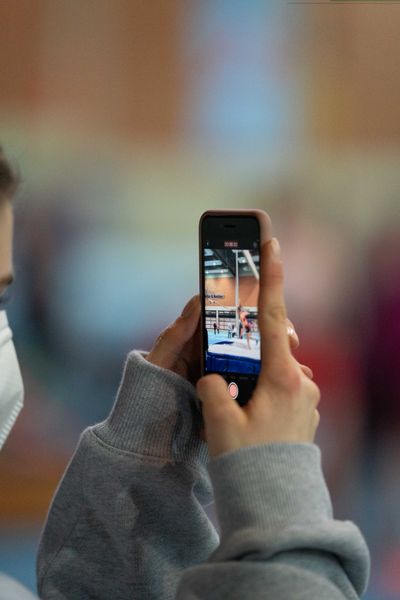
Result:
pixel 233 390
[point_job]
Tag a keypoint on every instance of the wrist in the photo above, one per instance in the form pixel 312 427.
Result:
pixel 154 414
pixel 268 486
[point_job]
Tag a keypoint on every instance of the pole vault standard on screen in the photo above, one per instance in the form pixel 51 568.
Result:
pixel 230 244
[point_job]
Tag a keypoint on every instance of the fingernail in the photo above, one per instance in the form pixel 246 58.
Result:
pixel 290 330
pixel 190 306
pixel 275 247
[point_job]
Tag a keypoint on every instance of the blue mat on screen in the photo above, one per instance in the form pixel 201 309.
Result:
pixel 224 363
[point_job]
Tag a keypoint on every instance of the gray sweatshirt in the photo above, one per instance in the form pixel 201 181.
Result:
pixel 128 519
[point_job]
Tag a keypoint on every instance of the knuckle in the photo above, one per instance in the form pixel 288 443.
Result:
pixel 161 336
pixel 313 393
pixel 179 322
pixel 317 395
pixel 166 333
pixel 293 380
pixel 174 331
pixel 275 272
pixel 277 312
pixel 283 373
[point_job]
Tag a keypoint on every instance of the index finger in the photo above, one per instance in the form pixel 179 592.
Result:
pixel 271 306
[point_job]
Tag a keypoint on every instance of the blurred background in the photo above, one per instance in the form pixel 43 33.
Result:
pixel 127 119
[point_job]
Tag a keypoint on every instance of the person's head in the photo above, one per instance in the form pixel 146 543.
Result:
pixel 8 186
pixel 11 386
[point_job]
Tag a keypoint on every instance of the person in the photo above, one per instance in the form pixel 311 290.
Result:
pixel 245 325
pixel 128 519
pixel 11 386
pixel 240 324
pixel 215 328
pixel 11 399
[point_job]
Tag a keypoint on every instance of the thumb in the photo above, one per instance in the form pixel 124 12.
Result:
pixel 222 415
pixel 172 340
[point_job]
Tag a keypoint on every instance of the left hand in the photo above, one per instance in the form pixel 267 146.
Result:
pixel 178 347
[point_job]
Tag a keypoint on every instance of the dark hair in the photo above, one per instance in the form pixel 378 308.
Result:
pixel 9 179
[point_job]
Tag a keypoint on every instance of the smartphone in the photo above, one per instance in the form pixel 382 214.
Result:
pixel 230 242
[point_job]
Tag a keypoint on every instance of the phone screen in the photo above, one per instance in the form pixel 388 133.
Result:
pixel 231 281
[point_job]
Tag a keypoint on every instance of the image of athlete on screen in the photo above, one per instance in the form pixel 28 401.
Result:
pixel 231 295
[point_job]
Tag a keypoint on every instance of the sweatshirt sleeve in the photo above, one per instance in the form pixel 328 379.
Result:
pixel 279 540
pixel 128 516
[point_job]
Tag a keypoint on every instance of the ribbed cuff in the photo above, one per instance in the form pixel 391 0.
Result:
pixel 270 485
pixel 154 414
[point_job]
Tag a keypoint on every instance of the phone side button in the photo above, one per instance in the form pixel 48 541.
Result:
pixel 233 390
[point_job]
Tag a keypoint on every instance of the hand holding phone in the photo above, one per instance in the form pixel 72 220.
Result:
pixel 283 406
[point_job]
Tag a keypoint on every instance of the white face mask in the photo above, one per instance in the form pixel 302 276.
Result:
pixel 11 386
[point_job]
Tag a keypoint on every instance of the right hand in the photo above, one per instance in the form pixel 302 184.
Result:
pixel 283 407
